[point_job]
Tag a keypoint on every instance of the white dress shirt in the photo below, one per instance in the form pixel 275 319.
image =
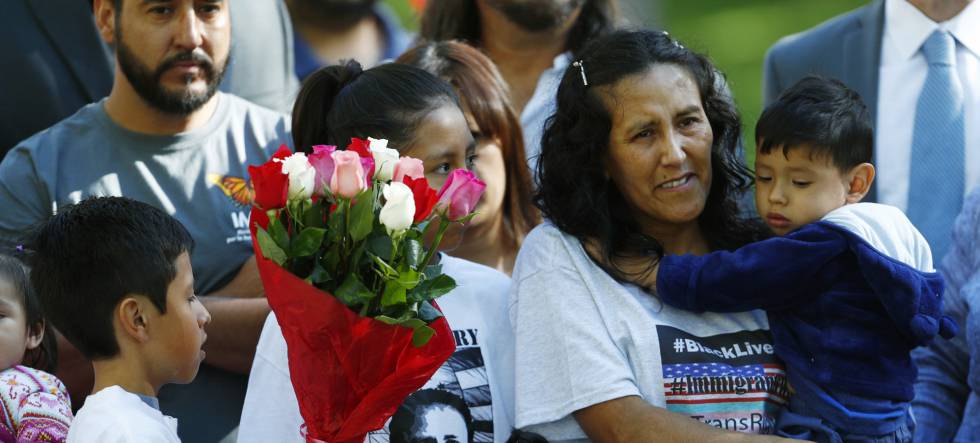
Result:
pixel 540 107
pixel 902 73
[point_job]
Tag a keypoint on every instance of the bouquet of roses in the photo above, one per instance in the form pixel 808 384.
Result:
pixel 339 241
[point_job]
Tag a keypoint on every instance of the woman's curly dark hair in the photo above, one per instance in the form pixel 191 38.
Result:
pixel 574 190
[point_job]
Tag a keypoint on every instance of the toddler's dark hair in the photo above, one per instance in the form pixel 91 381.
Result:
pixel 822 114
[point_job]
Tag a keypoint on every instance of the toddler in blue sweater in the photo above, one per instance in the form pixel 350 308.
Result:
pixel 849 287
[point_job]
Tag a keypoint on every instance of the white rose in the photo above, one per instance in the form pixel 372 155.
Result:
pixel 302 176
pixel 399 209
pixel 385 159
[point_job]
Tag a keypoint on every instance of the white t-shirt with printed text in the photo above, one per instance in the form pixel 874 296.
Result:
pixel 584 338
pixel 480 371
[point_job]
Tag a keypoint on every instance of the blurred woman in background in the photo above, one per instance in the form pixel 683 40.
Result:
pixel 506 214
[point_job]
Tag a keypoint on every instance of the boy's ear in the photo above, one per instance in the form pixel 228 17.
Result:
pixel 859 182
pixel 105 19
pixel 132 317
pixel 35 335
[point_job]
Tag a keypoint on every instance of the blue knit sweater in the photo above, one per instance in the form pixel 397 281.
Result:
pixel 842 315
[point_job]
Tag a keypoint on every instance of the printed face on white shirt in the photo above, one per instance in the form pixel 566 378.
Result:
pixel 441 424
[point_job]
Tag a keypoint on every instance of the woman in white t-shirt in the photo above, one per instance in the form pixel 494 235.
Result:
pixel 639 159
pixel 470 398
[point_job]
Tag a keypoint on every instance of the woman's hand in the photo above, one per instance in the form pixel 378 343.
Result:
pixel 631 419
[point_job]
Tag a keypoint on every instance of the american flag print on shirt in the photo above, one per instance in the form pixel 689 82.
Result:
pixel 731 381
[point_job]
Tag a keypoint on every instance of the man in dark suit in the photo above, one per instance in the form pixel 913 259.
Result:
pixel 55 62
pixel 887 51
pixel 916 64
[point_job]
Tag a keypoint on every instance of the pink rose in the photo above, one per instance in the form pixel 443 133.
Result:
pixel 348 174
pixel 322 162
pixel 459 195
pixel 408 167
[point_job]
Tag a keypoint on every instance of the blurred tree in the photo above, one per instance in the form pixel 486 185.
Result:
pixel 735 34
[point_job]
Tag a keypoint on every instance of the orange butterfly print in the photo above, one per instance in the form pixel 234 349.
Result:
pixel 236 188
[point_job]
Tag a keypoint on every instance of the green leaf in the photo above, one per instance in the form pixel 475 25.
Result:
pixel 319 275
pixel 394 294
pixel 387 320
pixel 357 255
pixel 436 287
pixel 413 252
pixel 278 233
pixel 413 323
pixel 307 242
pixel 433 271
pixel 269 248
pixel 362 215
pixel 428 313
pixel 422 335
pixel 335 223
pixel 332 260
pixel 352 292
pixel 313 214
pixel 386 269
pixel 466 219
pixel 380 246
pixel 408 278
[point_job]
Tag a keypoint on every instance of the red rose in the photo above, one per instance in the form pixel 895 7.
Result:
pixel 361 147
pixel 270 184
pixel 425 197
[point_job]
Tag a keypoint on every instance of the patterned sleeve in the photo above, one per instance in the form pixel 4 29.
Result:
pixel 38 408
pixel 45 417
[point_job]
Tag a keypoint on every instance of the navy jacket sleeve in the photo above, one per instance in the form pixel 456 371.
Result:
pixel 770 274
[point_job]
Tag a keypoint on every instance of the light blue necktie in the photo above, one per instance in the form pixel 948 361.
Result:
pixel 937 164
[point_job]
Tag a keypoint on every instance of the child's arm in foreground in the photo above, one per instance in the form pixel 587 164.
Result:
pixel 769 274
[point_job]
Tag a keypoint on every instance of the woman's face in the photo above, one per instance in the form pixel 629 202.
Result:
pixel 660 146
pixel 443 142
pixel 488 165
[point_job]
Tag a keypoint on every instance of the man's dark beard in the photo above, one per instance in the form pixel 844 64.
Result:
pixel 536 15
pixel 339 15
pixel 147 82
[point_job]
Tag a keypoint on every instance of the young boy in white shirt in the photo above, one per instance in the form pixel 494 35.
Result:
pixel 114 276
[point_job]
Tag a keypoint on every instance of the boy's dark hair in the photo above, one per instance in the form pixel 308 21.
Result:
pixel 45 356
pixel 822 114
pixel 87 258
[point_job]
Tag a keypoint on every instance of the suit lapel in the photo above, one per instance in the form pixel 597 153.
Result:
pixel 862 52
pixel 69 26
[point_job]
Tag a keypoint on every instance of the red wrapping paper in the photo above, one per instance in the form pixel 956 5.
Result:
pixel 349 373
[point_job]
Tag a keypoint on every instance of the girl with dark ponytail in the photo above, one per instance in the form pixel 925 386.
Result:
pixel 417 113
pixel 420 116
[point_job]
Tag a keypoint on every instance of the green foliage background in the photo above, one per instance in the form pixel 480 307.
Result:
pixel 734 33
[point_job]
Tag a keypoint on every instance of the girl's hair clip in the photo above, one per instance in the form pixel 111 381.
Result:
pixel 676 43
pixel 581 68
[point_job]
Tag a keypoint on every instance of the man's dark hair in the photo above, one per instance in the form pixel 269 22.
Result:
pixel 574 190
pixel 90 256
pixel 823 115
pixel 405 423
pixel 460 20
